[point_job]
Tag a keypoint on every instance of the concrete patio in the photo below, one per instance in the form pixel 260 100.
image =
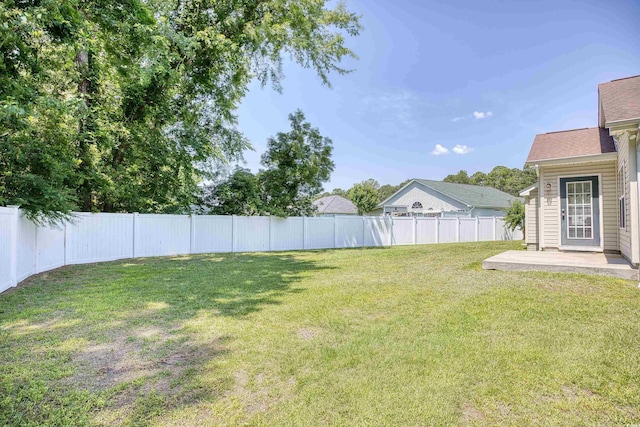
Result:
pixel 612 265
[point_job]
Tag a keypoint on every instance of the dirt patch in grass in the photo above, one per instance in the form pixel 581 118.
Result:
pixel 307 334
pixel 134 367
pixel 471 414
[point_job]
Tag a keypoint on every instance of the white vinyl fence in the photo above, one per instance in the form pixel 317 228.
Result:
pixel 27 249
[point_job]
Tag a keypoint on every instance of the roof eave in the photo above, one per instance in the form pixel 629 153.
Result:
pixel 601 157
pixel 619 124
pixel 527 191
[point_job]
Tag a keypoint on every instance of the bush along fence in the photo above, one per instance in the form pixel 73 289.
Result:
pixel 28 249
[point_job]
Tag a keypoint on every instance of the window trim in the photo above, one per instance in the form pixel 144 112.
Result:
pixel 622 200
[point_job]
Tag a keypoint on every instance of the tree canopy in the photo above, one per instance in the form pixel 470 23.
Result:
pixel 296 163
pixel 127 106
pixel 510 181
pixel 365 195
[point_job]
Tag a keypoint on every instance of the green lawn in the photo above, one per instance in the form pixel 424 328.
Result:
pixel 391 336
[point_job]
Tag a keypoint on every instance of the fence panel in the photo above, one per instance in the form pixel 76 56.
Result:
pixel 402 233
pixel 377 231
pixel 485 231
pixel 448 230
pixel 162 235
pixel 287 234
pixel 426 230
pixel 49 247
pixel 103 237
pixel 251 233
pixel 99 237
pixel 349 232
pixel 467 229
pixel 212 233
pixel 7 221
pixel 320 233
pixel 26 257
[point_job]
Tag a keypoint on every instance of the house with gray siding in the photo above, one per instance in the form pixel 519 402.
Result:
pixel 428 198
pixel 586 197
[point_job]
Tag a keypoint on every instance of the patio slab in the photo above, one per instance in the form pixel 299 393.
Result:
pixel 612 265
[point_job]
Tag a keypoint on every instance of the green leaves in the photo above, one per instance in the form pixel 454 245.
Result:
pixel 515 216
pixel 365 195
pixel 297 164
pixel 127 106
pixel 510 181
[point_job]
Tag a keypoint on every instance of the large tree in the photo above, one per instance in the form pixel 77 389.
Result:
pixel 127 105
pixel 297 163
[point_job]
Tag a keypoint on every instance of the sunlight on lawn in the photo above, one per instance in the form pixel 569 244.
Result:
pixel 405 336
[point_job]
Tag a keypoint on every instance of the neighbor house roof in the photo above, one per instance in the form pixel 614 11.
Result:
pixel 619 100
pixel 335 205
pixel 471 195
pixel 571 143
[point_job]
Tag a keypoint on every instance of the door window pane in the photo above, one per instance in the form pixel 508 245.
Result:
pixel 579 200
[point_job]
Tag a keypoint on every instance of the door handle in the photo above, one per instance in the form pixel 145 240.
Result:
pixel 563 214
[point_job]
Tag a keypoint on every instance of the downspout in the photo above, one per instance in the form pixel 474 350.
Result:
pixel 539 209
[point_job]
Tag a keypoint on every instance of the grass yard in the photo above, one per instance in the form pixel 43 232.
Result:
pixel 416 335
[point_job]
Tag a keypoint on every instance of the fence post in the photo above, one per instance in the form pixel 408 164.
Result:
pixel 35 249
pixel 477 229
pixel 233 233
pixel 415 231
pixel 335 232
pixel 364 229
pixel 437 229
pixel 135 234
pixel 192 236
pixel 495 224
pixel 14 246
pixel 304 232
pixel 458 229
pixel 270 233
pixel 390 230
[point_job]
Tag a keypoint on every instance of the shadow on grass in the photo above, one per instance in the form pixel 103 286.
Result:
pixel 125 341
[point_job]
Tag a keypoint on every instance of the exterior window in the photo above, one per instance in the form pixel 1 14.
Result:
pixel 622 208
pixel 416 205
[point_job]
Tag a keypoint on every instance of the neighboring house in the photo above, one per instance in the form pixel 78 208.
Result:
pixel 586 198
pixel 335 205
pixel 423 197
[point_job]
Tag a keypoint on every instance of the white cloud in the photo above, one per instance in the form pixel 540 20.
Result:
pixel 462 149
pixel 479 115
pixel 439 149
pixel 457 119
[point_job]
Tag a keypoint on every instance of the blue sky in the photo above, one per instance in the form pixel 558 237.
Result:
pixel 485 76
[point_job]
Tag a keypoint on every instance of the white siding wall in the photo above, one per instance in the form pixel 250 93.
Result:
pixel 531 218
pixel 429 199
pixel 550 214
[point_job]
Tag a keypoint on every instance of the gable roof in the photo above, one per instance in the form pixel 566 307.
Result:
pixel 571 143
pixel 619 100
pixel 335 205
pixel 475 196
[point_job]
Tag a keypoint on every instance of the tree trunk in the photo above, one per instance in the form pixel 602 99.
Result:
pixel 85 191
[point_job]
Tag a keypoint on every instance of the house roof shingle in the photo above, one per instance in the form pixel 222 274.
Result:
pixel 620 99
pixel 571 143
pixel 335 205
pixel 472 195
